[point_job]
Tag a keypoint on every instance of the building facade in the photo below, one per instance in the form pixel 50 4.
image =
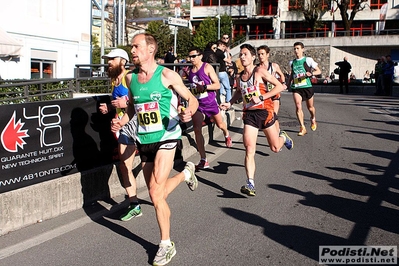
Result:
pixel 53 36
pixel 262 19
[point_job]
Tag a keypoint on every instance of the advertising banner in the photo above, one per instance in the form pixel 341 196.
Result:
pixel 47 140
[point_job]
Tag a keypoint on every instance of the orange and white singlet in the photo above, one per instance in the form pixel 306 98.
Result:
pixel 250 88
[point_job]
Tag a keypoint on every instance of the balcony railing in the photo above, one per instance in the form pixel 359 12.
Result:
pixel 37 90
pixel 318 34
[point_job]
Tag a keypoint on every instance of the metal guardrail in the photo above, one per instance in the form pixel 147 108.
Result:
pixel 24 91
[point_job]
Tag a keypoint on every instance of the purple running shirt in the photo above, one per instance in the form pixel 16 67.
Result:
pixel 206 100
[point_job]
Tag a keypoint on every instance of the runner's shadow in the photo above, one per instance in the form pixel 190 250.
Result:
pixel 364 214
pixel 302 240
pixel 225 192
pixel 97 214
pixel 223 167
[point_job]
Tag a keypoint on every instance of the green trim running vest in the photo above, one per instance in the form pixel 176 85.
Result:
pixel 156 109
pixel 300 80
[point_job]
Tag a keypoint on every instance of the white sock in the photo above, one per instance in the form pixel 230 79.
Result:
pixel 187 175
pixel 251 181
pixel 166 242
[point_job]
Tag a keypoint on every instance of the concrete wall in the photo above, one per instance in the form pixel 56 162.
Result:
pixel 26 206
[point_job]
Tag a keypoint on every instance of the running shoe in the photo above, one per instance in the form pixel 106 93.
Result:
pixel 302 131
pixel 203 164
pixel 289 143
pixel 192 183
pixel 131 212
pixel 248 189
pixel 313 125
pixel 228 142
pixel 164 255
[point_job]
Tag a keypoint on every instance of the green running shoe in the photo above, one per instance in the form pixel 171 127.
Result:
pixel 248 189
pixel 131 212
pixel 164 255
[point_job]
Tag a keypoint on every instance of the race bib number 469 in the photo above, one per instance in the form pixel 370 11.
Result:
pixel 149 117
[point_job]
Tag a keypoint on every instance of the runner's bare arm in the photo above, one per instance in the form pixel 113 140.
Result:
pixel 262 75
pixel 237 95
pixel 172 80
pixel 215 85
pixel 279 72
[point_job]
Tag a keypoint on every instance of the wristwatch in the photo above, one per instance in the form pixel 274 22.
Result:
pixel 261 98
pixel 205 87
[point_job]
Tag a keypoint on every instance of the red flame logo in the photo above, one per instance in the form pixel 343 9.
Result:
pixel 12 135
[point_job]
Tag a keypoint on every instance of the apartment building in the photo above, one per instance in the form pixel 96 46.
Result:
pixel 44 38
pixel 262 19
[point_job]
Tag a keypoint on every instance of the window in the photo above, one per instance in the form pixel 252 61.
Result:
pixel 267 7
pixel 294 4
pixel 377 4
pixel 222 2
pixel 298 4
pixel 42 69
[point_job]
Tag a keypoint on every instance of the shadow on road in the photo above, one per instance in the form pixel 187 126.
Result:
pixel 302 240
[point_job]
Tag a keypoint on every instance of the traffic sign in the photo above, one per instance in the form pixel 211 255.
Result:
pixel 178 22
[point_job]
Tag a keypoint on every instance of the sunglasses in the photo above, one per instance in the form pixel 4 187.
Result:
pixel 194 55
pixel 214 48
pixel 225 38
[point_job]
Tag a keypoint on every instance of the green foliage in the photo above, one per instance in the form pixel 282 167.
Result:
pixel 163 35
pixel 226 25
pixel 184 42
pixel 96 51
pixel 207 32
pixel 34 92
pixel 136 12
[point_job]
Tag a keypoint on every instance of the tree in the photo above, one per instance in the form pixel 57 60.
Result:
pixel 206 32
pixel 343 5
pixel 184 41
pixel 226 24
pixel 163 35
pixel 136 12
pixel 96 50
pixel 312 11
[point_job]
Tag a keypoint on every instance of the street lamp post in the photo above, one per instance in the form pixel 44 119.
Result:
pixel 102 34
pixel 218 16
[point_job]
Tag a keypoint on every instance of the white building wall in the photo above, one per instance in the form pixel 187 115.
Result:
pixel 60 28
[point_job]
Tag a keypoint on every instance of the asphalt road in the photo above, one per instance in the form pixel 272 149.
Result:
pixel 338 186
